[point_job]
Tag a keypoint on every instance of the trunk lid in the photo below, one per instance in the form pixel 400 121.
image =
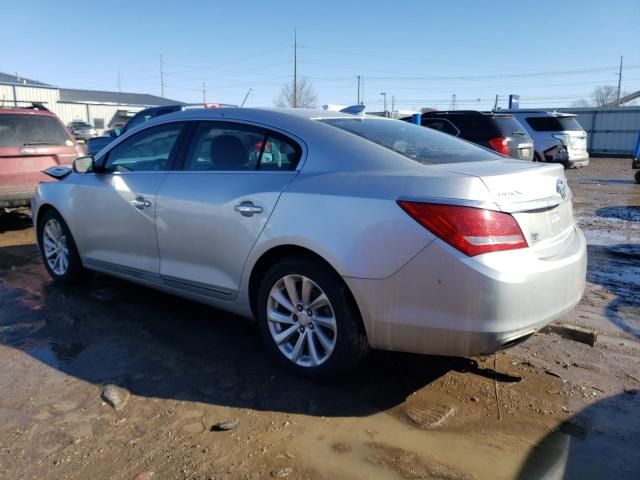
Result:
pixel 536 195
pixel 21 167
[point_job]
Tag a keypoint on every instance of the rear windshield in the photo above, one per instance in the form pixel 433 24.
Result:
pixel 554 124
pixel 509 126
pixel 421 144
pixel 21 130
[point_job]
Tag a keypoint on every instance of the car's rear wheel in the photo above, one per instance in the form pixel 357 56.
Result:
pixel 536 158
pixel 59 252
pixel 308 319
pixel 637 176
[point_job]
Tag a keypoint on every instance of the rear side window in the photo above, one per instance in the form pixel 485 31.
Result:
pixel 474 127
pixel 23 130
pixel 554 124
pixel 225 146
pixel 424 145
pixel 440 124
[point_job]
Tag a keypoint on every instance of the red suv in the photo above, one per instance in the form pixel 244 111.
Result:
pixel 31 139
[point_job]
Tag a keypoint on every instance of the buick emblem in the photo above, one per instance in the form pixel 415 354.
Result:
pixel 561 188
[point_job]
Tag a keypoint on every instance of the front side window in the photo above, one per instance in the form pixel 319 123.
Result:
pixel 441 125
pixel 424 145
pixel 222 146
pixel 148 151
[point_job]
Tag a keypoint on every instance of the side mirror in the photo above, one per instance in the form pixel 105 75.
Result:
pixel 84 164
pixel 116 132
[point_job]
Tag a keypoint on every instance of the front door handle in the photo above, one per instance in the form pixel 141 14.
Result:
pixel 140 203
pixel 247 209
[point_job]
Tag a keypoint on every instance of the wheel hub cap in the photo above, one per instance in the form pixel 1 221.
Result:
pixel 54 243
pixel 301 320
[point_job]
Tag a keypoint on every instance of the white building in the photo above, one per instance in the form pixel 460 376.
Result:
pixel 95 107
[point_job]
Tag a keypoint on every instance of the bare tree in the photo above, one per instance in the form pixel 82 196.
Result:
pixel 604 95
pixel 304 95
pixel 582 103
pixel 600 97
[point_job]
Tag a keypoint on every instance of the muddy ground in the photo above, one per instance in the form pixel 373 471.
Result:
pixel 550 406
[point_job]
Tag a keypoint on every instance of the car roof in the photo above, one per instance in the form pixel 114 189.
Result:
pixel 466 112
pixel 26 111
pixel 265 115
pixel 542 113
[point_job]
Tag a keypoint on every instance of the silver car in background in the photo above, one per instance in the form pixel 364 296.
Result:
pixel 336 232
pixel 557 137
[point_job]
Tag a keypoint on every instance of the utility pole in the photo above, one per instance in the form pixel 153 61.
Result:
pixel 119 81
pixel 362 88
pixel 393 104
pixel 619 83
pixel 384 94
pixel 204 92
pixel 495 105
pixel 295 68
pixel 161 76
pixel 358 103
pixel 454 103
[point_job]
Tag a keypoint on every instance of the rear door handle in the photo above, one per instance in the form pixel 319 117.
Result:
pixel 247 209
pixel 140 203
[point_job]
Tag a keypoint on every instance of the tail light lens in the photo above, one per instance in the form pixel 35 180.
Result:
pixel 473 231
pixel 500 145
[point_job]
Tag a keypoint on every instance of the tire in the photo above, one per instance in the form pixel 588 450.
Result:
pixel 536 157
pixel 637 176
pixel 338 344
pixel 61 259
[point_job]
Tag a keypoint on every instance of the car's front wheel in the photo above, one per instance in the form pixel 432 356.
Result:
pixel 308 318
pixel 59 252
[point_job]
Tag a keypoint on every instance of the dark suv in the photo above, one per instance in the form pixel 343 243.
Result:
pixel 497 131
pixel 94 145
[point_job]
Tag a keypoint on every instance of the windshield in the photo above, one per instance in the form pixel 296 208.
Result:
pixel 554 124
pixel 21 130
pixel 421 144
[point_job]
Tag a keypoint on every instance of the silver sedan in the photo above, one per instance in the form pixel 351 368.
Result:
pixel 336 232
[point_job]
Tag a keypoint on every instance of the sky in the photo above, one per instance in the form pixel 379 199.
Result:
pixel 421 53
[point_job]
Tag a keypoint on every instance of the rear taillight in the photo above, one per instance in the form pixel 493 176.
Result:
pixel 500 145
pixel 473 231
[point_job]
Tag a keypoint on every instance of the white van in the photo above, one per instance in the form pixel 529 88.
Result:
pixel 557 137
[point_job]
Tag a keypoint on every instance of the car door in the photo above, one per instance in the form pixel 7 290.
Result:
pixel 211 212
pixel 116 205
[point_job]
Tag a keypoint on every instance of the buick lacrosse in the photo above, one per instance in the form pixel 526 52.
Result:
pixel 336 232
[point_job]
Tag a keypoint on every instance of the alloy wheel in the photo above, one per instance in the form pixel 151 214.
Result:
pixel 301 320
pixel 54 243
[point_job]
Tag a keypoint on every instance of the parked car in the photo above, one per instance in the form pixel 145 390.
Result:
pixel 31 140
pixel 82 130
pixel 558 137
pixel 499 132
pixel 97 144
pixel 352 232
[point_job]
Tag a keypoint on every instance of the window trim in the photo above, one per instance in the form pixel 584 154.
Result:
pixel 173 155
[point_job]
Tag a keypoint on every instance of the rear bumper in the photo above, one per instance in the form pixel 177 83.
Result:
pixel 16 199
pixel 444 303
